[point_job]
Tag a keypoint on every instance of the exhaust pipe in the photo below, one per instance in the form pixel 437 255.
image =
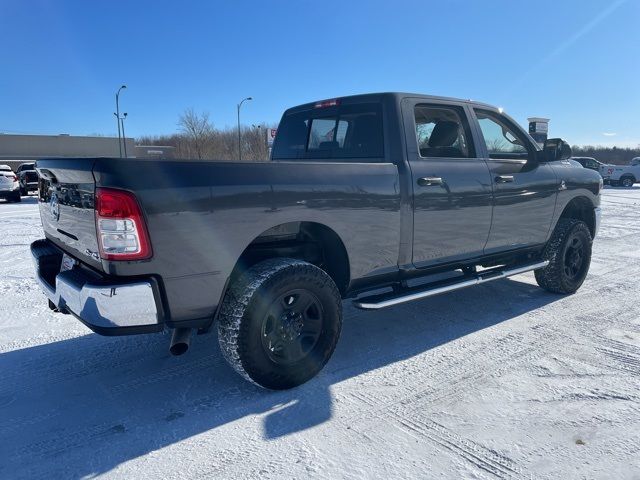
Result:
pixel 180 340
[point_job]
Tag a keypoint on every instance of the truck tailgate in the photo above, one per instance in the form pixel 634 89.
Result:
pixel 66 202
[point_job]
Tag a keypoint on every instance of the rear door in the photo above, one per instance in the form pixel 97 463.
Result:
pixel 524 190
pixel 451 183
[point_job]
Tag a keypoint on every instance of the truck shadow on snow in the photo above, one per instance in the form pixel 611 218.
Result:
pixel 85 405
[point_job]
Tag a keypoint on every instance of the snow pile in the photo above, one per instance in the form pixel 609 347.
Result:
pixel 498 381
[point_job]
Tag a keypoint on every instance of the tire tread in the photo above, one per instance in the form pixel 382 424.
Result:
pixel 551 277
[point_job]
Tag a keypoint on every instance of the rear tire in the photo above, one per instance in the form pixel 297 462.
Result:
pixel 569 255
pixel 279 323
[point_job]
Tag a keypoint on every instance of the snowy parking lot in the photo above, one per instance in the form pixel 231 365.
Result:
pixel 503 380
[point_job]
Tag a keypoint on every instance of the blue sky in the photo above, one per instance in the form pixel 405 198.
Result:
pixel 577 62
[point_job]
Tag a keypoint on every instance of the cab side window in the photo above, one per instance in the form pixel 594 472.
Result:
pixel 502 140
pixel 442 131
pixel 341 132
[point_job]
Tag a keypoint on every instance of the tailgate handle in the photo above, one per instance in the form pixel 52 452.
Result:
pixel 429 181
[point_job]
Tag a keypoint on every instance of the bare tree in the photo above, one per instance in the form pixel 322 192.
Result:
pixel 199 139
pixel 198 130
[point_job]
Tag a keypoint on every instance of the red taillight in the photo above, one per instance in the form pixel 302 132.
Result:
pixel 328 103
pixel 120 226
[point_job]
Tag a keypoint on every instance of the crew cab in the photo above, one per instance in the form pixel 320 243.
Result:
pixel 379 198
pixel 28 178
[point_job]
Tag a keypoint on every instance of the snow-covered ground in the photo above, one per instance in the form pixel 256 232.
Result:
pixel 499 381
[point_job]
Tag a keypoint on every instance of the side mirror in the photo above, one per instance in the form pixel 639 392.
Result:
pixel 555 149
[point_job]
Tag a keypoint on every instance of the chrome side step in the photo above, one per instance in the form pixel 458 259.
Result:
pixel 376 302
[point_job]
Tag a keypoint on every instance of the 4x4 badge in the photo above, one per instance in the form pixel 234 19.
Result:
pixel 54 207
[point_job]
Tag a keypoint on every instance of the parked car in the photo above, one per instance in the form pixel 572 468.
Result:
pixel 635 161
pixel 363 193
pixel 28 178
pixel 574 163
pixel 9 185
pixel 591 163
pixel 625 175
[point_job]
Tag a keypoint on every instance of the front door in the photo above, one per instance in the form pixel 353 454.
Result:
pixel 452 191
pixel 524 190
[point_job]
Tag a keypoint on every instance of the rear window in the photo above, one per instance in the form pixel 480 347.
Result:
pixel 341 132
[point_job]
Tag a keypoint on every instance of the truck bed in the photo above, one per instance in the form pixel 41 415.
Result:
pixel 201 215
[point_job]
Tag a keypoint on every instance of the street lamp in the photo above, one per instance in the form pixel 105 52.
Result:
pixel 117 114
pixel 124 137
pixel 239 134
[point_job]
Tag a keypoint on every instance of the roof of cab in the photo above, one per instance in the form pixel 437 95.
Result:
pixel 379 96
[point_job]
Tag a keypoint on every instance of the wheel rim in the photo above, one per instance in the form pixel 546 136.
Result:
pixel 292 326
pixel 627 182
pixel 574 258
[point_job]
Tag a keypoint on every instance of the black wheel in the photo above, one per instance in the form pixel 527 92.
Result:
pixel 569 255
pixel 279 323
pixel 627 181
pixel 23 191
pixel 17 197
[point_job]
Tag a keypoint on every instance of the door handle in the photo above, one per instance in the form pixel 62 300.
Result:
pixel 504 178
pixel 429 181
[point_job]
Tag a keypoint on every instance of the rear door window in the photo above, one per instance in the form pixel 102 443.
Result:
pixel 442 131
pixel 338 132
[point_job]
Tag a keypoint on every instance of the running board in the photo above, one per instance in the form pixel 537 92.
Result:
pixel 383 300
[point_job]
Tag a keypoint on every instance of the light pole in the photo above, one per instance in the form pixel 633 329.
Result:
pixel 239 134
pixel 124 137
pixel 117 114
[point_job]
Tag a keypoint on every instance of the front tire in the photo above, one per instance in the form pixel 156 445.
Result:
pixel 569 255
pixel 280 322
pixel 627 182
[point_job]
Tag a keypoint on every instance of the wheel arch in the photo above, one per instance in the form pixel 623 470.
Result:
pixel 312 242
pixel 581 208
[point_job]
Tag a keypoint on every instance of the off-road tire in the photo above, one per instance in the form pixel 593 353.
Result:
pixel 240 323
pixel 553 277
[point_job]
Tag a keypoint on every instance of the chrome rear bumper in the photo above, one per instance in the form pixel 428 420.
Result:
pixel 105 306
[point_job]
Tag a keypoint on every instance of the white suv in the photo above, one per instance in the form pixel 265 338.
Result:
pixel 9 185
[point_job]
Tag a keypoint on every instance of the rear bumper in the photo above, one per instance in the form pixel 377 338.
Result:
pixel 106 306
pixel 9 191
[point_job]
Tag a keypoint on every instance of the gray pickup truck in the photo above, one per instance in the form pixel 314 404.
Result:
pixel 381 198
